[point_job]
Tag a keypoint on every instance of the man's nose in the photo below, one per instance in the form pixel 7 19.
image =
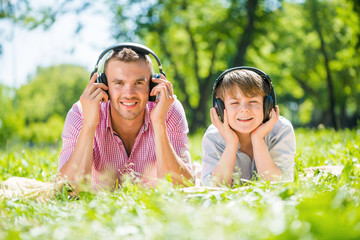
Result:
pixel 128 90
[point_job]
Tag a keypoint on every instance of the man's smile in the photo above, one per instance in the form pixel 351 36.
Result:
pixel 129 104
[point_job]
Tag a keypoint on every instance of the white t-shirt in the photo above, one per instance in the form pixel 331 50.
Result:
pixel 280 142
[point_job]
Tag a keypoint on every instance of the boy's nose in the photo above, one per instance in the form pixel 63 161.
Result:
pixel 244 107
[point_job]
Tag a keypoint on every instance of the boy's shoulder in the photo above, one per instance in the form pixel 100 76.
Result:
pixel 212 133
pixel 212 130
pixel 281 125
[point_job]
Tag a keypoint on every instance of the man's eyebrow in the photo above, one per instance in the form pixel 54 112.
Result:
pixel 143 79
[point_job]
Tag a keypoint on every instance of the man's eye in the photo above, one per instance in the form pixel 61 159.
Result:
pixel 139 83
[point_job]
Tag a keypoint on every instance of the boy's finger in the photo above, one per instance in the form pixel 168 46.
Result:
pixel 226 121
pixel 214 117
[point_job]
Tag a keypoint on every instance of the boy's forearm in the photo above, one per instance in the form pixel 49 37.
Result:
pixel 224 169
pixel 167 161
pixel 265 166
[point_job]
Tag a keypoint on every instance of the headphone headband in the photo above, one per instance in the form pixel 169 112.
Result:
pixel 263 75
pixel 134 46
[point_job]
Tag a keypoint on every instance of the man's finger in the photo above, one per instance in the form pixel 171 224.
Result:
pixel 93 78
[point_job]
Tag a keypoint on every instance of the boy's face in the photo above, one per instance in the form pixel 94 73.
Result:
pixel 244 113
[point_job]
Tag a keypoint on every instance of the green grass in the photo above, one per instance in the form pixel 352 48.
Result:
pixel 321 207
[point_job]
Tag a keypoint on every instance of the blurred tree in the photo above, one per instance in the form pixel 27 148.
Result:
pixel 309 48
pixel 10 120
pixel 47 98
pixel 312 46
pixel 196 39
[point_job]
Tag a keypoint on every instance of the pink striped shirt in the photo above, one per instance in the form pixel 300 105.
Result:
pixel 110 158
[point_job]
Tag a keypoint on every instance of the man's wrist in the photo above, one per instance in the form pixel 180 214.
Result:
pixel 158 125
pixel 88 127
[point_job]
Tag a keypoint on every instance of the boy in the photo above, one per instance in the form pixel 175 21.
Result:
pixel 251 138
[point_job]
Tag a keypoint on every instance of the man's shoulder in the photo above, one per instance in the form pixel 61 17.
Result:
pixel 76 109
pixel 176 108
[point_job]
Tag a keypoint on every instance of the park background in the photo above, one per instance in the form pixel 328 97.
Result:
pixel 310 48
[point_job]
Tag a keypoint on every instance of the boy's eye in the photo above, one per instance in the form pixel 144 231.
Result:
pixel 234 103
pixel 253 101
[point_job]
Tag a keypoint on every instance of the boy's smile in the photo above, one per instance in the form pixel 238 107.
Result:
pixel 245 113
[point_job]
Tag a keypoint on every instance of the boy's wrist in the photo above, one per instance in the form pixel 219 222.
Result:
pixel 233 145
pixel 256 138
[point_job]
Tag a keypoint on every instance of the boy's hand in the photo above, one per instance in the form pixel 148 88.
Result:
pixel 265 128
pixel 224 129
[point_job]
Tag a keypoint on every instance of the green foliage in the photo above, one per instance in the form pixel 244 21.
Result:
pixel 309 48
pixel 10 121
pixel 36 111
pixel 53 90
pixel 324 206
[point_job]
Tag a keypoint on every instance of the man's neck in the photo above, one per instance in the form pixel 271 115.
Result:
pixel 126 129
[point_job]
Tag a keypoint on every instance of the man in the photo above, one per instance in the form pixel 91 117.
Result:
pixel 115 131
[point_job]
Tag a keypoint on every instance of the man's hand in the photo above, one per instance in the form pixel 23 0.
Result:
pixel 90 99
pixel 166 99
pixel 265 128
pixel 224 129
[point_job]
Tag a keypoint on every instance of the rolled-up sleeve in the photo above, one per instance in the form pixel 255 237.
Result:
pixel 70 133
pixel 177 130
pixel 212 148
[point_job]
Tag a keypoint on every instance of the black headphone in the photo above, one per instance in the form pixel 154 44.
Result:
pixel 269 99
pixel 138 48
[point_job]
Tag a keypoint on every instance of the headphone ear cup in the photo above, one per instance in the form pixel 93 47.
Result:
pixel 152 85
pixel 219 107
pixel 268 105
pixel 101 78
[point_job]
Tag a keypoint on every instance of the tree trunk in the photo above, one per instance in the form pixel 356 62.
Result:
pixel 317 27
pixel 247 35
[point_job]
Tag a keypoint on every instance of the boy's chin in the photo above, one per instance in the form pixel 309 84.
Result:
pixel 243 129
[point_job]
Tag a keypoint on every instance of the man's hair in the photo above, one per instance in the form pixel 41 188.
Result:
pixel 249 82
pixel 128 55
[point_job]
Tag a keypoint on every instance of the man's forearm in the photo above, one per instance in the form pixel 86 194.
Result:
pixel 167 160
pixel 78 167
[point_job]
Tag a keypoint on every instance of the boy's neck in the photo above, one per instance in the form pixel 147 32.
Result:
pixel 245 144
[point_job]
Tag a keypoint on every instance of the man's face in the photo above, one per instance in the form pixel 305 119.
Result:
pixel 245 113
pixel 128 87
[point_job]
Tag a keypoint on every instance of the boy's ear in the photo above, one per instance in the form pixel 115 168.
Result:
pixel 219 107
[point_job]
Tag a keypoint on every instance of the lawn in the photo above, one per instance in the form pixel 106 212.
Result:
pixel 317 206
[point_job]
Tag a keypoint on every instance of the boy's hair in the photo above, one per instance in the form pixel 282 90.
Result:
pixel 249 82
pixel 128 55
